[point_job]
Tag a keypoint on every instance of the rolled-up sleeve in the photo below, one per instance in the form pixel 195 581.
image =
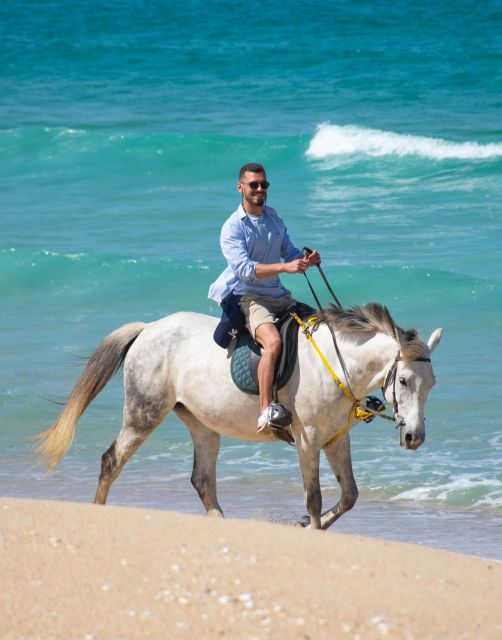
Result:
pixel 234 248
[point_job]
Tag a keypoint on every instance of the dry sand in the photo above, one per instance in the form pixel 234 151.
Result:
pixel 82 571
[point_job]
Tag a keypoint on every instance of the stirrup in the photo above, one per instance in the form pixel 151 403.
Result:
pixel 279 416
pixel 280 419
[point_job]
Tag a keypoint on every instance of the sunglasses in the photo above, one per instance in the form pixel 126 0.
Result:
pixel 254 185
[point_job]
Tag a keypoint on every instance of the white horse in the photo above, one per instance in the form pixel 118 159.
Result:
pixel 174 365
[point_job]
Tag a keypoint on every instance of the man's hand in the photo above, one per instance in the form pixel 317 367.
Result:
pixel 313 259
pixel 296 266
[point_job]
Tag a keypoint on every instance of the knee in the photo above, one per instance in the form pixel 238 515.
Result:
pixel 269 338
pixel 273 345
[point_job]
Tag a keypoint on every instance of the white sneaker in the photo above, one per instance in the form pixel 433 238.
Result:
pixel 263 424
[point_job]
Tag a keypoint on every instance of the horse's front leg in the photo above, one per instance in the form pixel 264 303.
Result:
pixel 308 457
pixel 339 458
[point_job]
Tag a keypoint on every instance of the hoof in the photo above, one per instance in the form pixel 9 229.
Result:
pixel 304 522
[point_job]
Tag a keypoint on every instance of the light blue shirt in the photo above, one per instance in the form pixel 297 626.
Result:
pixel 246 241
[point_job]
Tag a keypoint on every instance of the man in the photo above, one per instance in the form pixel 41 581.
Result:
pixel 254 240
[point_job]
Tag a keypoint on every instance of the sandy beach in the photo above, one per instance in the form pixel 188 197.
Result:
pixel 97 573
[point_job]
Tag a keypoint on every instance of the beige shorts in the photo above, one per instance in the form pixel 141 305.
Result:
pixel 261 309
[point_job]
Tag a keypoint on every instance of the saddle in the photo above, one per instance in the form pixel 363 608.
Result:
pixel 246 355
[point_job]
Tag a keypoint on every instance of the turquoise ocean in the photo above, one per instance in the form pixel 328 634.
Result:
pixel 122 128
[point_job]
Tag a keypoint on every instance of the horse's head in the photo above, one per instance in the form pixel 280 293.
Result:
pixel 407 385
pixel 408 378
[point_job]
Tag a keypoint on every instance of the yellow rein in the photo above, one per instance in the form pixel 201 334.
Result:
pixel 356 411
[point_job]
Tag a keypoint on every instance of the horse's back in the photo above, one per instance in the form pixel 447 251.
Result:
pixel 172 332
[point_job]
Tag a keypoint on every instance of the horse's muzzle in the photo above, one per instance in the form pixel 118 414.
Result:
pixel 411 440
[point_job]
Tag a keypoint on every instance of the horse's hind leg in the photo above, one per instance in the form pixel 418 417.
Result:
pixel 206 448
pixel 338 455
pixel 138 424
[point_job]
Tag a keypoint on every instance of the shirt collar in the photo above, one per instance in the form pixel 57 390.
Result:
pixel 242 214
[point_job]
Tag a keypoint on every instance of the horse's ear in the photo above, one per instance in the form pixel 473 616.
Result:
pixel 434 339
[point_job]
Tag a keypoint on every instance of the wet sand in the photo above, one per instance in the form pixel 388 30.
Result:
pixel 96 573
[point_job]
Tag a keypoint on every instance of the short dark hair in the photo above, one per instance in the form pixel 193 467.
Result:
pixel 253 167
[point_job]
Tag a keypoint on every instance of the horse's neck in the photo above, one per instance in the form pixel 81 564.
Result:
pixel 367 361
pixel 378 354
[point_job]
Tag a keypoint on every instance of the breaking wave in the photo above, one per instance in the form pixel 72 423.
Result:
pixel 333 140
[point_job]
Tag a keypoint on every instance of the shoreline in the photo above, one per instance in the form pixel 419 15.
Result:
pixel 83 571
pixel 459 529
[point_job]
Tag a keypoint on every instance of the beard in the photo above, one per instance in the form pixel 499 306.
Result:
pixel 257 199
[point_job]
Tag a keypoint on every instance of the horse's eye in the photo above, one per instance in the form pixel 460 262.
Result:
pixel 403 382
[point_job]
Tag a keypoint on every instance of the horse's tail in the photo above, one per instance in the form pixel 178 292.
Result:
pixel 101 366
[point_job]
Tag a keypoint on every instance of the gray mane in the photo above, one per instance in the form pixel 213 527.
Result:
pixel 376 317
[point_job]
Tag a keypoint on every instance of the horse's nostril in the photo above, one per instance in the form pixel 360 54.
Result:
pixel 408 438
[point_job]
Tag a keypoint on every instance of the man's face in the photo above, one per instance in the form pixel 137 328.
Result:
pixel 253 187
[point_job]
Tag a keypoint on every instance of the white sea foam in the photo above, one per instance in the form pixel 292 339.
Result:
pixel 332 140
pixel 475 490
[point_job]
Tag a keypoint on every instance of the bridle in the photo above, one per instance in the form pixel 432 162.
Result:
pixel 390 379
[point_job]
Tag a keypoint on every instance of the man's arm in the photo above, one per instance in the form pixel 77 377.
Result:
pixel 267 270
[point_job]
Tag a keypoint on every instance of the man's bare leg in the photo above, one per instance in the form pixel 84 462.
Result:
pixel 268 337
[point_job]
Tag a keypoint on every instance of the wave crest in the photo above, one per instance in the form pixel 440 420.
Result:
pixel 333 140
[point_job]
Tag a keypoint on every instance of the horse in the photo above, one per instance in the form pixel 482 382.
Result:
pixel 173 364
